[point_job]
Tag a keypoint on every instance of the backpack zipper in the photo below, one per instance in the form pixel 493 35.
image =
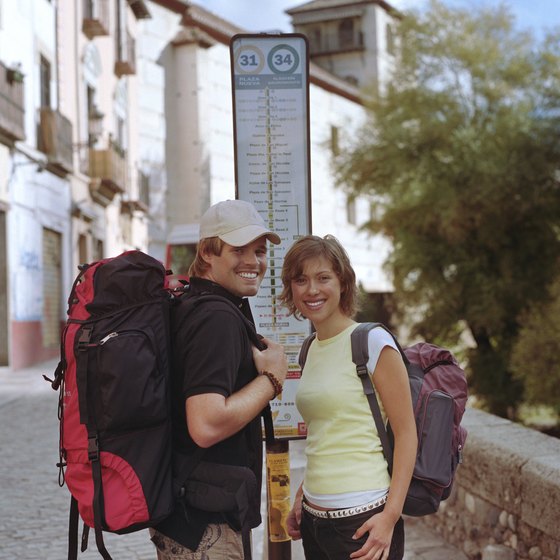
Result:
pixel 108 337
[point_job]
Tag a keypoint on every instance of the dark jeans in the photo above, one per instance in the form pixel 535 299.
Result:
pixel 331 539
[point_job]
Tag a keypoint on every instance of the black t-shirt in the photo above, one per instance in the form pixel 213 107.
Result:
pixel 211 353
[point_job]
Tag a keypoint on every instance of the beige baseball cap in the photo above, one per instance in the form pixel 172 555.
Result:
pixel 236 222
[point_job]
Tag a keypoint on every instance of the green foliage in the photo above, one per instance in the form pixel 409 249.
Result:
pixel 461 154
pixel 376 307
pixel 536 354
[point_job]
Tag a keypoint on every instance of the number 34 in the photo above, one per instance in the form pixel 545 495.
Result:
pixel 282 59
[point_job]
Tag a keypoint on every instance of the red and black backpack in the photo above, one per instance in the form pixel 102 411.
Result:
pixel 115 410
pixel 114 404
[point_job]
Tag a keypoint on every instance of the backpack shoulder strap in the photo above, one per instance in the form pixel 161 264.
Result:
pixel 195 300
pixel 254 337
pixel 360 353
pixel 305 349
pixel 360 357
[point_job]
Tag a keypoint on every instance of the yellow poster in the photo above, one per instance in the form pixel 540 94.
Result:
pixel 278 475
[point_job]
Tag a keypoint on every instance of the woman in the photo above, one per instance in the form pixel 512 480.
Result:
pixel 346 470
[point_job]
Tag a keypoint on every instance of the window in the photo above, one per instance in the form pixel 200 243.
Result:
pixel 315 40
pixel 82 249
pixel 346 33
pixel 52 288
pixel 119 142
pixel 352 80
pixel 120 131
pixel 120 36
pixel 351 210
pixel 90 94
pixel 180 258
pixel 89 9
pixel 144 189
pixel 335 148
pixel 390 39
pixel 45 81
pixel 378 306
pixel 98 250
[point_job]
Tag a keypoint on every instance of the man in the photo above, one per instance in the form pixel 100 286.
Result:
pixel 222 383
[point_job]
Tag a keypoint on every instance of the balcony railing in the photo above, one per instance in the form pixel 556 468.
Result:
pixel 335 43
pixel 125 63
pixel 96 18
pixel 55 140
pixel 11 106
pixel 107 169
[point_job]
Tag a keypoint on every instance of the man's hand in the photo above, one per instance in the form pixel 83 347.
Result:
pixel 272 359
pixel 211 417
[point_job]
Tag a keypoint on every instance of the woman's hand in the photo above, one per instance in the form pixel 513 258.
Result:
pixel 294 519
pixel 380 528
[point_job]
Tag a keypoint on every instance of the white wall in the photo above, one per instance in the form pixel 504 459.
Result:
pixel 153 40
pixel 329 201
pixel 37 198
pixel 200 153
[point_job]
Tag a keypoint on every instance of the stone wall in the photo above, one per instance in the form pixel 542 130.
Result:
pixel 505 504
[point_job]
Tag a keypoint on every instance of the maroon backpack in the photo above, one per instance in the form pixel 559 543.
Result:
pixel 439 395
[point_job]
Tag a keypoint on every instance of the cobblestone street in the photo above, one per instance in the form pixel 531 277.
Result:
pixel 34 509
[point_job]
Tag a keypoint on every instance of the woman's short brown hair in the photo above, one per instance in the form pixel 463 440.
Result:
pixel 310 247
pixel 212 245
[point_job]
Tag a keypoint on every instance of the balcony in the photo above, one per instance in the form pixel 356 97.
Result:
pixel 55 140
pixel 11 105
pixel 96 18
pixel 333 43
pixel 107 169
pixel 125 63
pixel 139 8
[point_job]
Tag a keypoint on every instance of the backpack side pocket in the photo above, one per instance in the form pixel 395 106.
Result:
pixel 434 463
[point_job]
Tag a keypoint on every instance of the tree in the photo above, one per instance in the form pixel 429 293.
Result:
pixel 536 354
pixel 460 155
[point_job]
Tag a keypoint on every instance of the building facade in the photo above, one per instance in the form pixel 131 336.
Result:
pixel 70 190
pixel 352 39
pixel 116 132
pixel 198 115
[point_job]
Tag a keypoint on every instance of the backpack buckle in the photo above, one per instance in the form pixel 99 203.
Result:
pixel 364 376
pixel 93 448
pixel 85 335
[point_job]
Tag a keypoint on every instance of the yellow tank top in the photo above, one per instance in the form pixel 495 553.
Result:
pixel 344 453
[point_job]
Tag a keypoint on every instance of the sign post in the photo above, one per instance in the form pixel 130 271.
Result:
pixel 270 84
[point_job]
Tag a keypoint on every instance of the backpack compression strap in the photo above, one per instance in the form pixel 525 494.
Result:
pixel 87 417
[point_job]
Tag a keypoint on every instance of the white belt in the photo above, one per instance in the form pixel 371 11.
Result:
pixel 347 512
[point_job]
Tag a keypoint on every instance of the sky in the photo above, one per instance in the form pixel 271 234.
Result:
pixel 268 15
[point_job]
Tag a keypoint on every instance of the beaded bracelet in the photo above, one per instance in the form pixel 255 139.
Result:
pixel 274 380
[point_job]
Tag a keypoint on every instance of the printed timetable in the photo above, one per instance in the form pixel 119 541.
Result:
pixel 270 83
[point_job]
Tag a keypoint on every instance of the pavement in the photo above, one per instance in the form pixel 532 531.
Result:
pixel 34 509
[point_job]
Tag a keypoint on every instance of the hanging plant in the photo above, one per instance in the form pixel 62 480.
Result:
pixel 15 76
